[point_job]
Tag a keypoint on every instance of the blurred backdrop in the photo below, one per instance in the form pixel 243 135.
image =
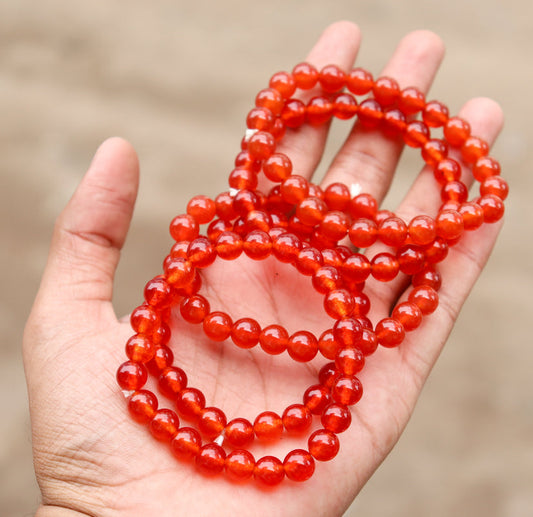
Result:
pixel 177 79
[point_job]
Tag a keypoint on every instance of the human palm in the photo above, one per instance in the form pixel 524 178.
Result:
pixel 90 457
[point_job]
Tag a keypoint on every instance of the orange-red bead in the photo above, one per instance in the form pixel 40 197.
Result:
pixel 239 432
pixel 296 418
pixel 336 418
pixel 269 470
pixel 302 346
pixel 164 425
pixel 186 443
pixel 323 445
pixel 268 426
pixel 142 406
pixel 210 459
pixel 131 375
pixel 299 465
pixel 240 465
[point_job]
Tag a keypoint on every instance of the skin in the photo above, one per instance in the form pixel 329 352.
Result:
pixel 92 459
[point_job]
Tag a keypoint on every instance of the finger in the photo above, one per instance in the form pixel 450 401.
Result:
pixel 338 45
pixel 369 159
pixel 91 230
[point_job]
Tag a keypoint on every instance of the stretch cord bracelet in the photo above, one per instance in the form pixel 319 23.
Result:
pixel 300 224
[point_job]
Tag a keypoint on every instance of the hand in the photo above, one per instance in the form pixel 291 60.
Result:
pixel 91 458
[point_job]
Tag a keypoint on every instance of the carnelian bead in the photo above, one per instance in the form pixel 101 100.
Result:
pixel 493 208
pixel 347 332
pixel 164 425
pixel 242 179
pixel 389 332
pixel 450 224
pixel 327 344
pixel 163 358
pixel 435 114
pixel 408 314
pixel 144 319
pixel 359 81
pixel 296 418
pixel 311 211
pixel 347 390
pixel 434 151
pixel 437 251
pixel 363 206
pixel 339 303
pixel 269 470
pixel 394 122
pixel 496 186
pixel 284 83
pixel 334 225
pixel 309 260
pixel 473 149
pixel 447 170
pixel 294 189
pixel 245 333
pixel 428 276
pixel 240 464
pixel 179 272
pixel 323 445
pixel 331 257
pixel 211 422
pixel 201 208
pixel 286 247
pixel 131 375
pixel 361 304
pixel 425 298
pixel 142 406
pixel 178 250
pixel 411 100
pixel 327 375
pixel 244 161
pixel 273 339
pixel 315 191
pixel 261 119
pixel 454 191
pixel 416 134
pixel 184 228
pixel 386 90
pixel 363 233
pixel 270 99
pixel 422 230
pixel 456 131
pixel 239 432
pixel 299 465
pixel 158 293
pixel 319 110
pixel 472 215
pixel 245 201
pixel 278 167
pixel 224 206
pixel 278 129
pixel 316 398
pixel 370 113
pixel 368 342
pixel 194 308
pixel 268 426
pixel 261 145
pixel 171 381
pixel 302 346
pixel 298 228
pixel 344 106
pixel 485 167
pixel 210 459
pixel 186 444
pixel 337 196
pixel 139 349
pixel 385 267
pixel 332 78
pixel 349 361
pixel 336 418
pixel 356 268
pixel 217 326
pixel 190 402
pixel 257 245
pixel 228 245
pixel 305 76
pixel 392 231
pixel 293 113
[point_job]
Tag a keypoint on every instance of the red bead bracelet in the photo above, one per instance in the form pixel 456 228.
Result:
pixel 302 225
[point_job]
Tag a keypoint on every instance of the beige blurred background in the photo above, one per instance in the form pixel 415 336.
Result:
pixel 177 79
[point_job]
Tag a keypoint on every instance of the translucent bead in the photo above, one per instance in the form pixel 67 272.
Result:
pixel 211 422
pixel 363 206
pixel 336 418
pixel 202 208
pixel 217 326
pixel 339 303
pixel 347 390
pixel 385 267
pixel 228 245
pixel 416 134
pixel 257 245
pixel 327 375
pixel 158 293
pixel 286 247
pixel 472 215
pixel 386 90
pixel 473 149
pixel 309 260
pixel 284 83
pixel 356 268
pixel 349 361
pixel 243 179
pixel 456 131
pixel 186 444
pixel 368 342
pixel 245 333
pixel 302 346
pixel 450 224
pixel 316 398
pixel 485 167
pixel 184 228
pixel 425 298
pixel 261 119
pixel 144 319
pixel 361 304
pixel 273 339
pixel 297 418
pixel 327 344
pixel 392 231
pixel 224 206
pixel 434 151
pixel 437 251
pixel 411 100
pixel 305 76
pixel 370 113
pixel 131 375
pixel 269 470
pixel 194 308
pixel 179 272
pixel 244 161
pixel 428 276
pixel 435 114
pixel 278 167
pixel 334 225
pixel 363 233
pixel 210 459
pixel 493 208
pixel 359 81
pixel 454 191
pixel 270 99
pixel 422 230
pixel 408 314
pixel 240 465
pixel 163 358
pixel 171 381
pixel 139 349
pixel 347 332
pixel 245 201
pixel 261 145
pixel 344 106
pixel 268 426
pixel 323 445
pixel 319 110
pixel 394 122
pixel 239 432
pixel 389 332
pixel 337 196
pixel 142 406
pixel 164 425
pixel 332 78
pixel 294 113
pixel 190 403
pixel 299 465
pixel 496 186
pixel 447 170
pixel 278 129
pixel 294 189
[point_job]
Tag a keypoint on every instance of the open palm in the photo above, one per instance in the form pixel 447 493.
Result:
pixel 91 458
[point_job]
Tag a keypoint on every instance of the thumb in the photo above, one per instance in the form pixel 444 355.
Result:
pixel 90 232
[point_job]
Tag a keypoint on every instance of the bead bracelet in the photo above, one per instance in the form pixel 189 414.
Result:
pixel 303 225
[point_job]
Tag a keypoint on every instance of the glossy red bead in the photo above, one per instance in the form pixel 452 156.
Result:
pixel 186 443
pixel 273 339
pixel 425 298
pixel 386 90
pixel 456 131
pixel 411 100
pixel 389 332
pixel 336 418
pixel 370 113
pixel 493 208
pixel 239 432
pixel 245 333
pixel 240 465
pixel 190 402
pixel 164 425
pixel 257 245
pixel 305 76
pixel 278 167
pixel 297 418
pixel 184 228
pixel 422 230
pixel 347 390
pixel 385 267
pixel 316 398
pixel 302 346
pixel 217 326
pixel 194 308
pixel 408 314
pixel 228 245
pixel 323 445
pixel 293 114
pixel 268 426
pixel 142 406
pixel 349 361
pixel 171 381
pixel 211 422
pixel 131 375
pixel 299 465
pixel 359 81
pixel 140 349
pixel 269 470
pixel 210 459
pixel 284 83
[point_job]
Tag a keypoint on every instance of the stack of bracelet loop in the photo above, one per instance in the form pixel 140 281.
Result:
pixel 301 224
